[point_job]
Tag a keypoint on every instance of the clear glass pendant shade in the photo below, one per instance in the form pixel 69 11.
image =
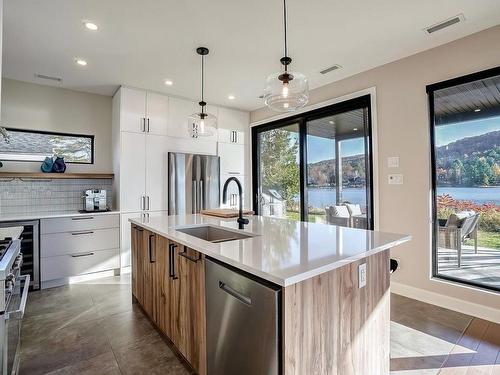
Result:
pixel 202 125
pixel 286 96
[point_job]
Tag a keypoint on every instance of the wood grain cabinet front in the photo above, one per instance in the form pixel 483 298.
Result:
pixel 168 281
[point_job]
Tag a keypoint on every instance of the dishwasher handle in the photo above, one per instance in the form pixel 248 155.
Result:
pixel 240 297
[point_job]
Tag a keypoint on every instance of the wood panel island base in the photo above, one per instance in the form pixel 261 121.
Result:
pixel 330 322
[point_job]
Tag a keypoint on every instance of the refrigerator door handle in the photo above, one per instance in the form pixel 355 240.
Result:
pixel 201 197
pixel 195 197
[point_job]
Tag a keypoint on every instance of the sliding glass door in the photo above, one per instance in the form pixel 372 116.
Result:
pixel 279 172
pixel 465 134
pixel 317 166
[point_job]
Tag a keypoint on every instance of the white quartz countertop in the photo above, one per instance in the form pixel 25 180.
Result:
pixel 283 251
pixel 22 216
pixel 12 232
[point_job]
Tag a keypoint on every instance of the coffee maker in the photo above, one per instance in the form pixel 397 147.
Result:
pixel 94 200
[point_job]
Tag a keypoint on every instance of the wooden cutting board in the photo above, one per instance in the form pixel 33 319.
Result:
pixel 224 212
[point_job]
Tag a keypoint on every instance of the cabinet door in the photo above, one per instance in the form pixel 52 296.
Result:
pixel 137 267
pixel 157 113
pixel 132 171
pixel 191 308
pixel 166 291
pixel 132 110
pixel 148 272
pixel 232 159
pixel 179 110
pixel 233 119
pixel 156 172
pixel 231 136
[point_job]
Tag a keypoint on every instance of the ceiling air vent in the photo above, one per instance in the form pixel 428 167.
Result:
pixel 330 69
pixel 50 78
pixel 444 24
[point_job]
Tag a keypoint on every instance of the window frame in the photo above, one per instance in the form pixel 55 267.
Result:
pixel 90 136
pixel 363 101
pixel 430 89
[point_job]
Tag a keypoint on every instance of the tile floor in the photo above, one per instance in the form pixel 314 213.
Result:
pixel 93 328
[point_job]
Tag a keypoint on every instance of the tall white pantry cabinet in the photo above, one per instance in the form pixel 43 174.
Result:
pixel 146 126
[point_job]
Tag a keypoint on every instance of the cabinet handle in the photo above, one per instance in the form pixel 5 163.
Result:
pixel 171 258
pixel 82 255
pixel 240 297
pixel 143 124
pixel 189 257
pixel 84 232
pixel 82 218
pixel 147 204
pixel 233 173
pixel 150 245
pixel 148 125
pixel 143 202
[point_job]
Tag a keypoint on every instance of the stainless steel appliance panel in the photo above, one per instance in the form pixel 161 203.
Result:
pixel 242 323
pixel 193 183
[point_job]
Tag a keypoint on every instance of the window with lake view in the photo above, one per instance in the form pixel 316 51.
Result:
pixel 466 179
pixel 317 166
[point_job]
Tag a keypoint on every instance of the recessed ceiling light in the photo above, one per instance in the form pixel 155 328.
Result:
pixel 169 82
pixel 231 97
pixel 355 129
pixel 331 122
pixel 477 110
pixel 81 62
pixel 90 25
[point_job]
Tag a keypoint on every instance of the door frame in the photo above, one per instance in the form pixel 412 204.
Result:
pixel 339 104
pixel 431 89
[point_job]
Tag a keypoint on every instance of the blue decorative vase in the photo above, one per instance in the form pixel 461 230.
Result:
pixel 59 165
pixel 47 165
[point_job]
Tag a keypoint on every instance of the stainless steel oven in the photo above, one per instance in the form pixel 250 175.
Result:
pixel 14 288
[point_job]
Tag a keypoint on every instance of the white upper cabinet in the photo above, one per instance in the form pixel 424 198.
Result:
pixel 156 114
pixel 132 110
pixel 156 173
pixel 232 159
pixel 231 136
pixel 179 111
pixel 233 119
pixel 132 172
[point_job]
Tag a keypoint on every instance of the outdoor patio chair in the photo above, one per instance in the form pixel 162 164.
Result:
pixel 458 228
pixel 338 215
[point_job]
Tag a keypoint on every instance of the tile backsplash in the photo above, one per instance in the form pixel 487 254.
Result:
pixel 33 195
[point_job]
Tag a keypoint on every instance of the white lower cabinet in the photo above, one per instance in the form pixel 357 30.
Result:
pixel 68 265
pixel 75 246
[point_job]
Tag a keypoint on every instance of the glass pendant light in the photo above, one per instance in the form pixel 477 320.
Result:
pixel 202 124
pixel 286 91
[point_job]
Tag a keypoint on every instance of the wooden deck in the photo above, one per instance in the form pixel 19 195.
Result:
pixel 483 267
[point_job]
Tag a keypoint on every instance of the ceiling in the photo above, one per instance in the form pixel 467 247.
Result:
pixel 143 43
pixel 470 101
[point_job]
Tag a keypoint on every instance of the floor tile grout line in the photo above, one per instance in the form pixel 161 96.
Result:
pixel 455 344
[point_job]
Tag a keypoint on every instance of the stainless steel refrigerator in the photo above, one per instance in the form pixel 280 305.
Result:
pixel 193 183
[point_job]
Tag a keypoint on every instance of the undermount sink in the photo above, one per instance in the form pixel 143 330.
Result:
pixel 213 234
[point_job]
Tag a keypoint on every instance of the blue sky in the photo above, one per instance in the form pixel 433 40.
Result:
pixel 446 134
pixel 319 148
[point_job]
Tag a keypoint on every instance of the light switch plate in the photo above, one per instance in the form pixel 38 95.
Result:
pixel 395 179
pixel 362 275
pixel 393 162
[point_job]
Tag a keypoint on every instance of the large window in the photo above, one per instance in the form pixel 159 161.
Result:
pixel 465 133
pixel 30 145
pixel 316 166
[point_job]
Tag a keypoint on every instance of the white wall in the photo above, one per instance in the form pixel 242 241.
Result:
pixel 37 107
pixel 403 130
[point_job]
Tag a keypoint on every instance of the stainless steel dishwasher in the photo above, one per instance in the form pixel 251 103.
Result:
pixel 242 323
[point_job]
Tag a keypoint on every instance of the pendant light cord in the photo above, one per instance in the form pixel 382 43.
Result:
pixel 202 78
pixel 284 24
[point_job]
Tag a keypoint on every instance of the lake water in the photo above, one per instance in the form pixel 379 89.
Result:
pixel 477 195
pixel 326 197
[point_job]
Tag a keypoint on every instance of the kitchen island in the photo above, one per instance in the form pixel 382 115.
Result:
pixel 333 315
